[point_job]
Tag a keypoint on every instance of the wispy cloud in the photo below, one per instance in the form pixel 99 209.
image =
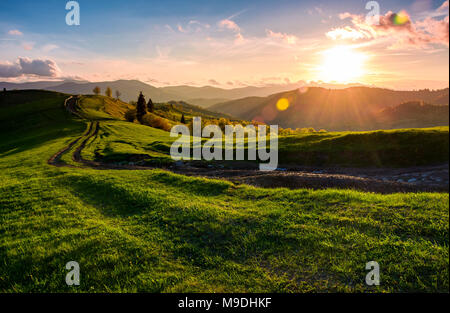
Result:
pixel 15 32
pixel 229 24
pixel 289 39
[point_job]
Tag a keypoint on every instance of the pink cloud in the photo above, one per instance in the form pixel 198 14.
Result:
pixel 229 24
pixel 398 26
pixel 443 7
pixel 15 32
pixel 28 46
pixel 290 39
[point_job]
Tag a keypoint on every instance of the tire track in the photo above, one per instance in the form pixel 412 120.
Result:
pixel 290 179
pixel 56 158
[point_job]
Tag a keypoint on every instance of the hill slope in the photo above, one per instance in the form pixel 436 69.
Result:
pixel 155 231
pixel 355 108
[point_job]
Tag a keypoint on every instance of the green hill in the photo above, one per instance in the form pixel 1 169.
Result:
pixel 155 231
pixel 121 141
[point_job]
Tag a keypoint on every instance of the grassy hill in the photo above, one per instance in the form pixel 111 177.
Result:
pixel 120 141
pixel 355 108
pixel 155 231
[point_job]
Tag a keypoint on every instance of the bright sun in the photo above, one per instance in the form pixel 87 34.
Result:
pixel 341 64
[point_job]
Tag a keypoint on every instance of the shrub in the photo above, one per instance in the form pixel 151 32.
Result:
pixel 130 115
pixel 155 121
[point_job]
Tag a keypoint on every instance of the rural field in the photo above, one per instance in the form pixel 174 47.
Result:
pixel 224 155
pixel 80 182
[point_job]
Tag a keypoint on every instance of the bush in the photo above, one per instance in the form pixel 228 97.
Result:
pixel 130 115
pixel 155 121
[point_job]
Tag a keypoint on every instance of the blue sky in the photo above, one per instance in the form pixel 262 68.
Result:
pixel 231 43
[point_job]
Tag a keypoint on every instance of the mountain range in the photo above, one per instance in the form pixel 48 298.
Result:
pixel 354 108
pixel 201 96
pixel 332 108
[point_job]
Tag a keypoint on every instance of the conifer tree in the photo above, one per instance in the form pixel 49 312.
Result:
pixel 140 108
pixel 150 105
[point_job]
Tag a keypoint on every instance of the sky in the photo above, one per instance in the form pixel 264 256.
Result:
pixel 228 44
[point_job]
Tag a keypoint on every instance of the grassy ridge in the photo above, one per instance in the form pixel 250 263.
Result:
pixel 381 148
pixel 121 141
pixel 159 232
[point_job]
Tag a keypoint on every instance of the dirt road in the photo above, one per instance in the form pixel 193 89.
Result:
pixel 386 180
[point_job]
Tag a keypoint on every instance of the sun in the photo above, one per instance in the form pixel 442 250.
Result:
pixel 342 64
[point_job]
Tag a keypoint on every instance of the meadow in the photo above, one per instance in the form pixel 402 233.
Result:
pixel 156 231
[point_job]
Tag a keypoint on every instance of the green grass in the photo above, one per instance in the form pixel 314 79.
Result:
pixel 383 148
pixel 155 231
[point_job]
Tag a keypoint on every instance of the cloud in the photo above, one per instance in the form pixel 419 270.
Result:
pixel 26 66
pixel 290 39
pixel 443 7
pixel 49 47
pixel 192 25
pixel 229 24
pixel 398 26
pixel 213 82
pixel 15 32
pixel 181 29
pixel 28 46
pixel 347 33
pixel 199 25
pixel 9 70
pixel 169 28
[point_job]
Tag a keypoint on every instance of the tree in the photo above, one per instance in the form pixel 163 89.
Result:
pixel 182 119
pixel 96 90
pixel 108 92
pixel 118 94
pixel 140 108
pixel 150 105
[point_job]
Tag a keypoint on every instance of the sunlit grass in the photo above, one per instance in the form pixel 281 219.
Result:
pixel 155 231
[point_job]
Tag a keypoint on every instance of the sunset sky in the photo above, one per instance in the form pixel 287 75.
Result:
pixel 227 43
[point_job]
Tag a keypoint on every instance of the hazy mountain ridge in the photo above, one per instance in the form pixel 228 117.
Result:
pixel 354 108
pixel 202 96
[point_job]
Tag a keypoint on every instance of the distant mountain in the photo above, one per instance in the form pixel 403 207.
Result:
pixel 29 85
pixel 354 108
pixel 129 89
pixel 201 96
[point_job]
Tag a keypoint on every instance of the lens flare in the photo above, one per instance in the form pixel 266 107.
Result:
pixel 400 18
pixel 282 104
